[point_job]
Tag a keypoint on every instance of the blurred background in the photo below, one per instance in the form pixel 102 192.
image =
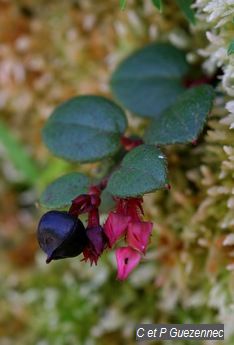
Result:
pixel 53 50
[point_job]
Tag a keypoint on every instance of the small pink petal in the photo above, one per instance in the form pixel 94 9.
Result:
pixel 127 259
pixel 115 226
pixel 138 234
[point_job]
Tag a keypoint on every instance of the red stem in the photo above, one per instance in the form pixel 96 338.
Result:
pixel 93 218
pixel 130 143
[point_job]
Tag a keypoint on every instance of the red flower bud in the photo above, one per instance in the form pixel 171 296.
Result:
pixel 96 244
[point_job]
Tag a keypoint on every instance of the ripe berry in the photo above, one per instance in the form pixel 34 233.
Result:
pixel 61 235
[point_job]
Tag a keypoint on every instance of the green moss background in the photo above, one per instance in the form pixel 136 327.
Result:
pixel 50 51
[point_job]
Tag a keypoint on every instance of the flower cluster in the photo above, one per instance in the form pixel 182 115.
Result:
pixel 62 234
pixel 127 222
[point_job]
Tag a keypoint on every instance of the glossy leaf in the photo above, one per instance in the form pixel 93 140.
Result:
pixel 143 170
pixel 185 6
pixel 62 191
pixel 85 129
pixel 182 122
pixel 149 80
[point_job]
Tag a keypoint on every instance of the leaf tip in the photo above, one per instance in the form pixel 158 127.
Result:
pixel 122 4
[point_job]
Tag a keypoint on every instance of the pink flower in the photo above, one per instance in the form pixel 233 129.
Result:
pixel 127 259
pixel 138 234
pixel 115 226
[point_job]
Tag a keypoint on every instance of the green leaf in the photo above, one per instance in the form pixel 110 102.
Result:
pixel 182 122
pixel 62 191
pixel 231 48
pixel 85 129
pixel 185 6
pixel 143 170
pixel 107 202
pixel 18 155
pixel 158 4
pixel 54 167
pixel 122 4
pixel 149 80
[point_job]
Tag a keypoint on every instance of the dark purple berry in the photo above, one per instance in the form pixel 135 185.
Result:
pixel 61 235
